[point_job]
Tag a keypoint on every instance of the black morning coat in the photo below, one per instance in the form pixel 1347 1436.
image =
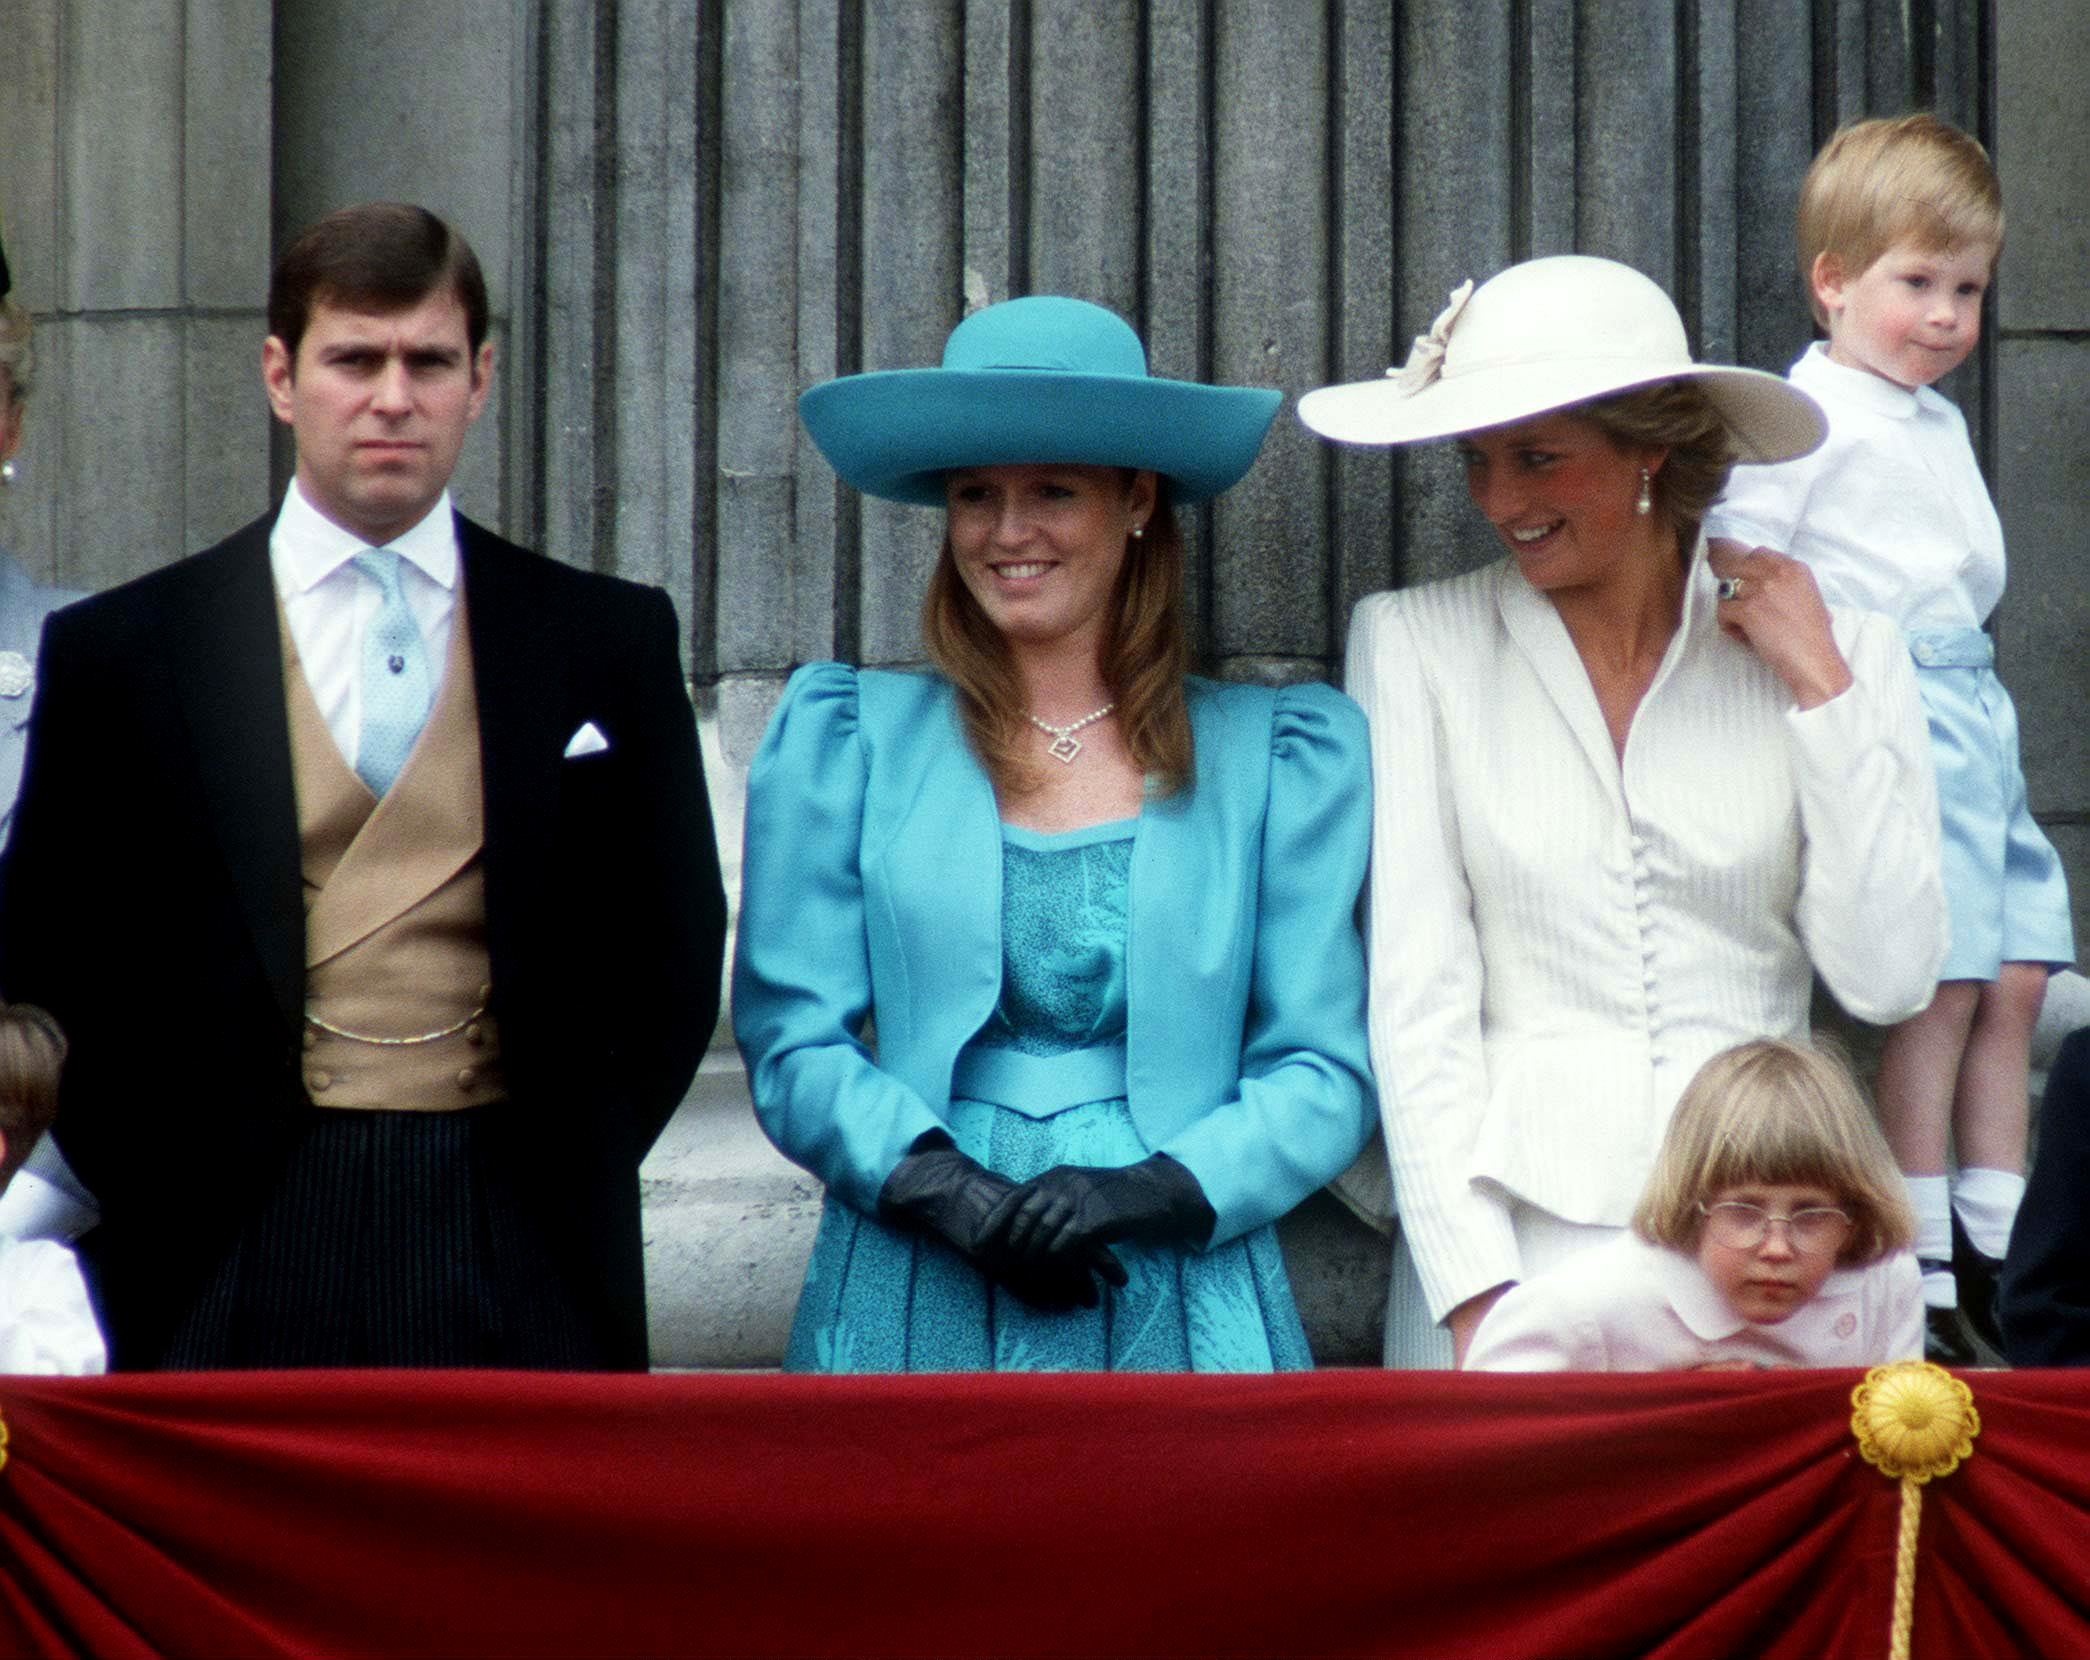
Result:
pixel 152 901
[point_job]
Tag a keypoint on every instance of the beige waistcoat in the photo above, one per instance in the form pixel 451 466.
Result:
pixel 395 909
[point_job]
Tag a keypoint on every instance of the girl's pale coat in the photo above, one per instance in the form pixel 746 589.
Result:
pixel 1628 1306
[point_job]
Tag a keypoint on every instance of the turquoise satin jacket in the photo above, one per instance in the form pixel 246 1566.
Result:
pixel 870 944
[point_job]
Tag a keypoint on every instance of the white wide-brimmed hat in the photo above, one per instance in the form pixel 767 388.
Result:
pixel 1546 335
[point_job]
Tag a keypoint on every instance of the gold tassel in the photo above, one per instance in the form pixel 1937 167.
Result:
pixel 1914 1421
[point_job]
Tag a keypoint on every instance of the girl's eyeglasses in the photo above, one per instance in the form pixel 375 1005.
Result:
pixel 1816 1231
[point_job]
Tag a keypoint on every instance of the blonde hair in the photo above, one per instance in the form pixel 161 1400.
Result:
pixel 17 356
pixel 1784 1112
pixel 1144 659
pixel 1675 415
pixel 1910 178
pixel 32 1054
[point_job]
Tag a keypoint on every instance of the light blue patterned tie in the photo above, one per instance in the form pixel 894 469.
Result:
pixel 396 685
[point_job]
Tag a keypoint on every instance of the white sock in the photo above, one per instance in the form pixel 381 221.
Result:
pixel 1987 1202
pixel 1931 1199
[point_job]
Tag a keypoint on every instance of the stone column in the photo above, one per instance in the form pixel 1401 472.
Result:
pixel 136 199
pixel 2041 417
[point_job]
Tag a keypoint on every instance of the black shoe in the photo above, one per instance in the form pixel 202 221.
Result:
pixel 1946 1340
pixel 1949 1339
pixel 1975 1274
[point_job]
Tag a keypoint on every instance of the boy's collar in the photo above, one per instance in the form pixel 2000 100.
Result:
pixel 1817 369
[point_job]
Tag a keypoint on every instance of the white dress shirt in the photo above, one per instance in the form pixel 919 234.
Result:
pixel 46 1323
pixel 329 603
pixel 1891 513
pixel 1628 1306
pixel 1559 939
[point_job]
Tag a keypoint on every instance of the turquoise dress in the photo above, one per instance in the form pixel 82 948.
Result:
pixel 1190 982
pixel 1043 1084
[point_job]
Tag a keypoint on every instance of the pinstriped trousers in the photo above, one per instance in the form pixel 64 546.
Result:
pixel 390 1239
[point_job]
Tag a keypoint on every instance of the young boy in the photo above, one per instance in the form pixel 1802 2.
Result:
pixel 46 1324
pixel 1900 225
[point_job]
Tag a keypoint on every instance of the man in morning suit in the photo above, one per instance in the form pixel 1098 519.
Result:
pixel 366 860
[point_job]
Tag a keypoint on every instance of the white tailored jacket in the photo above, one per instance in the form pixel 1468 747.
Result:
pixel 1559 938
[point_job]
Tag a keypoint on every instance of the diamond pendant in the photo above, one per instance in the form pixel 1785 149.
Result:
pixel 1064 746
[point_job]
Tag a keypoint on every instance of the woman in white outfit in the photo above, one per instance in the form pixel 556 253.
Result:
pixel 1630 798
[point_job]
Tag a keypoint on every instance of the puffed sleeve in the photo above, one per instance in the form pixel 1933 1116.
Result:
pixel 1305 1101
pixel 1425 973
pixel 802 994
pixel 1871 910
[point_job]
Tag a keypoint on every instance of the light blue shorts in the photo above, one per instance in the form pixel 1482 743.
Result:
pixel 2004 884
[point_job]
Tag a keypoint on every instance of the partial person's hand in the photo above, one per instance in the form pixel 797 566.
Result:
pixel 1770 603
pixel 1073 1206
pixel 942 1191
pixel 1463 1321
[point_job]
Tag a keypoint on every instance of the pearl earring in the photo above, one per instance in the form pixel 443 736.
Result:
pixel 1644 503
pixel 7 472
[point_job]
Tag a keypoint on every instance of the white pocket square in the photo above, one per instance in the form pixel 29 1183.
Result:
pixel 586 740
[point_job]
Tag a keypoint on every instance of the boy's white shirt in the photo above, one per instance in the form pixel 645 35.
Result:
pixel 46 1323
pixel 1628 1306
pixel 1891 513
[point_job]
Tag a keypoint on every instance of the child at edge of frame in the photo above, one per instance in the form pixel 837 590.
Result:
pixel 47 1324
pixel 1900 225
pixel 1772 1232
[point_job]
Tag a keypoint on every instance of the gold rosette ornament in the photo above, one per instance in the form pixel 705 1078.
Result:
pixel 1915 1422
pixel 3 1443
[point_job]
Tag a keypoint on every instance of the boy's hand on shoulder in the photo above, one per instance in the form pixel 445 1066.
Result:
pixel 1770 603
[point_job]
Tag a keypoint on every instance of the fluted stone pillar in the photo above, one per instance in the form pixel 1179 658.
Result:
pixel 135 188
pixel 690 210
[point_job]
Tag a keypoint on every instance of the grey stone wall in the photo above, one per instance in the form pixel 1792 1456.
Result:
pixel 2040 413
pixel 136 194
pixel 692 209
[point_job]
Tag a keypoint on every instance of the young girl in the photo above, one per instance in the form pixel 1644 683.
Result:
pixel 1773 1232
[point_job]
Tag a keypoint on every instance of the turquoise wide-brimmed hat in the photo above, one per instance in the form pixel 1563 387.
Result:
pixel 1040 379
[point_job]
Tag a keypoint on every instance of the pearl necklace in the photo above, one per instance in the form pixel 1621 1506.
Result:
pixel 1064 746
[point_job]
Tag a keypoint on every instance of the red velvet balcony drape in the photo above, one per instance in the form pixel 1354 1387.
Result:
pixel 1341 1513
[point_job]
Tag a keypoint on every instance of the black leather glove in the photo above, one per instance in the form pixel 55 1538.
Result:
pixel 942 1191
pixel 1073 1207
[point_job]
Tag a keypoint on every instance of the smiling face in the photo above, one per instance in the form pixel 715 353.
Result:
pixel 380 403
pixel 1911 316
pixel 1772 1280
pixel 1561 496
pixel 1039 547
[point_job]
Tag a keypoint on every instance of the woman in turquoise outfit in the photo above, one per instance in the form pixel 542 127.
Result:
pixel 1048 964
